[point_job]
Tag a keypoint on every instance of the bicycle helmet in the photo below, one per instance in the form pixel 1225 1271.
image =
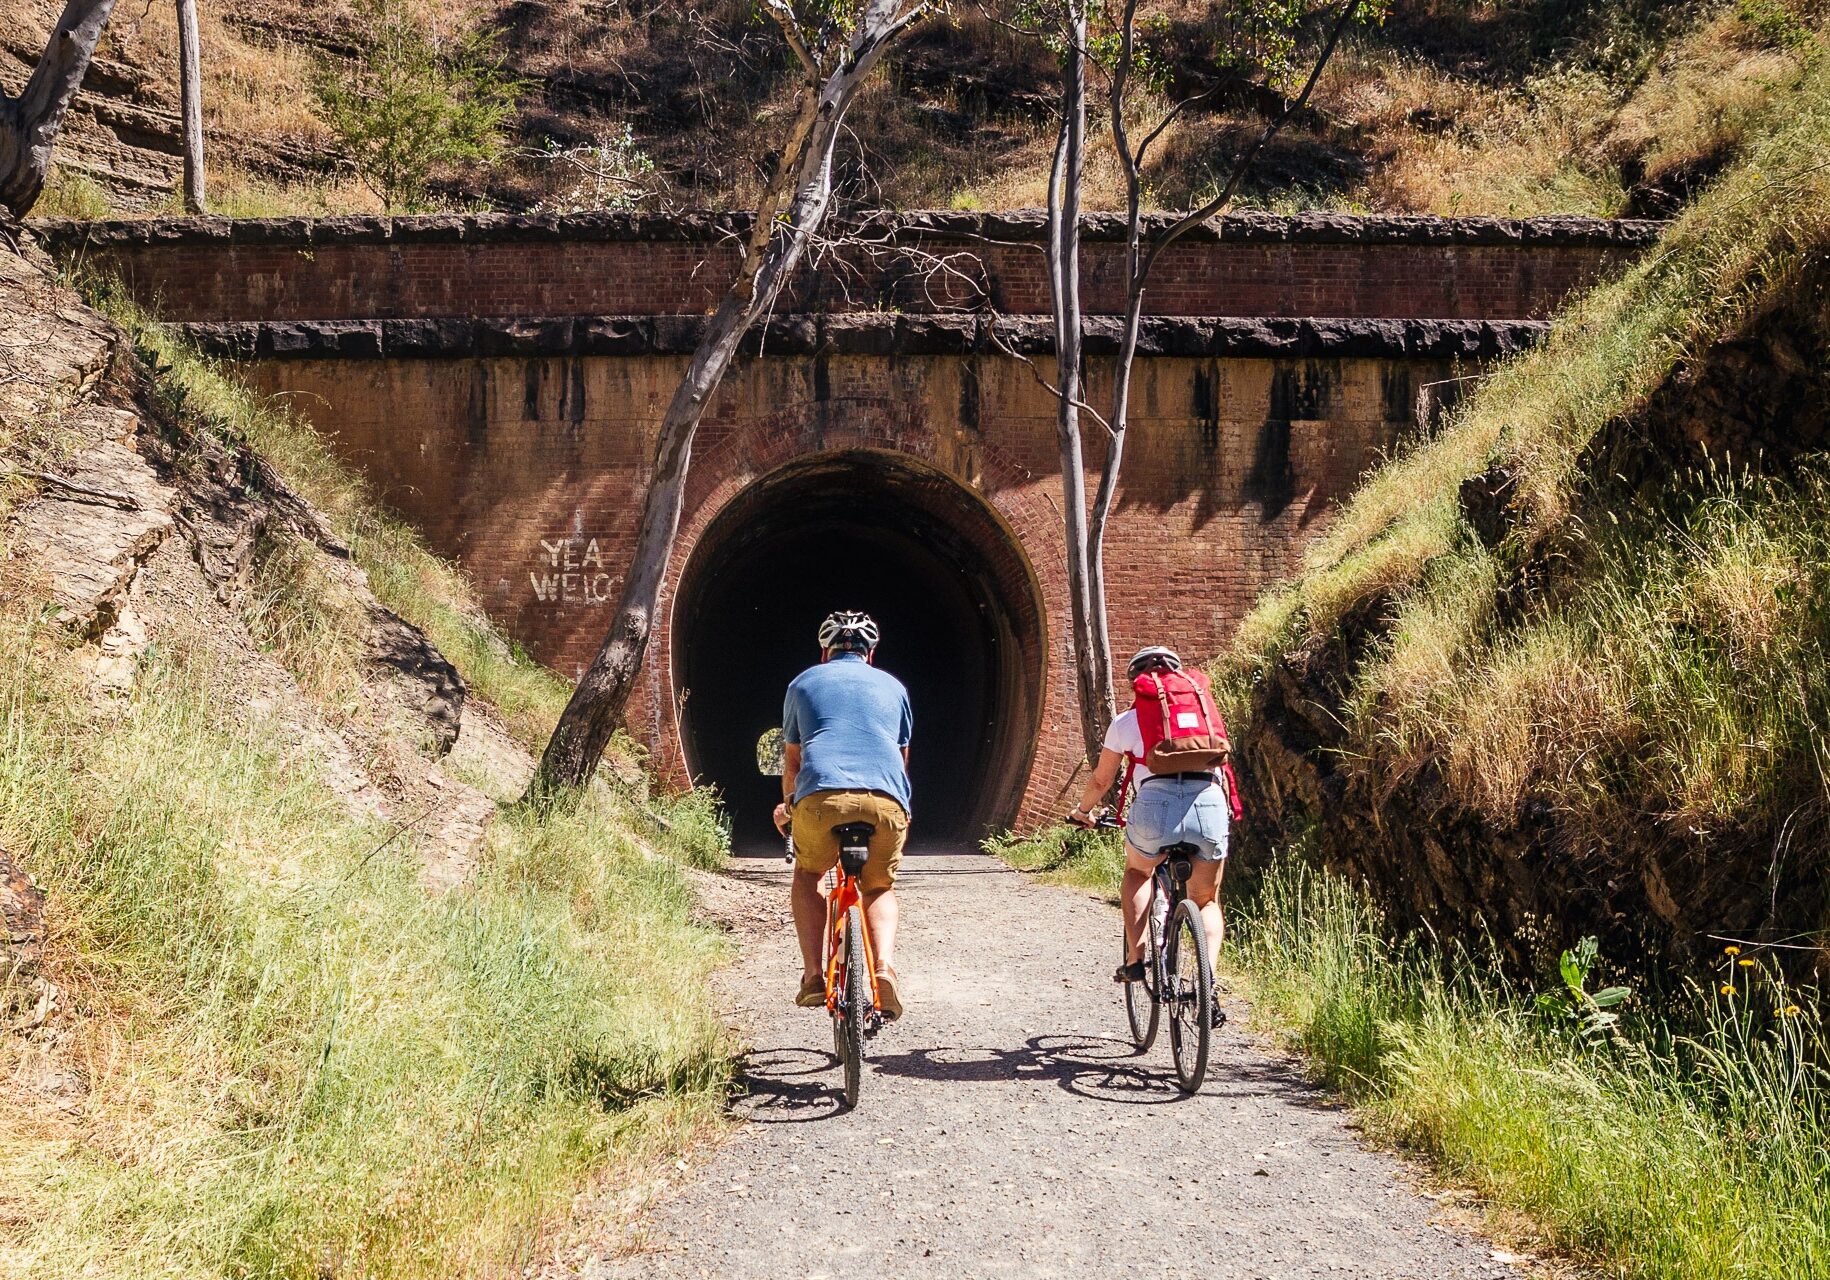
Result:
pixel 849 629
pixel 1152 655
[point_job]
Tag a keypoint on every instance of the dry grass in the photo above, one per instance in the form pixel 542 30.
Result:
pixel 1673 671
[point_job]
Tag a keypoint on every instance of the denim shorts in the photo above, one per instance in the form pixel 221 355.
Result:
pixel 1180 811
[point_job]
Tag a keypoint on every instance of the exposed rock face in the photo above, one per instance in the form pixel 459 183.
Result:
pixel 1759 399
pixel 134 529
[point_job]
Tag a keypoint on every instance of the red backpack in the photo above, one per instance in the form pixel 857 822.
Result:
pixel 1182 728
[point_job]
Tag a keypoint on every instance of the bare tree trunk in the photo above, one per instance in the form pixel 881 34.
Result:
pixel 1093 682
pixel 190 92
pixel 1131 165
pixel 29 123
pixel 803 183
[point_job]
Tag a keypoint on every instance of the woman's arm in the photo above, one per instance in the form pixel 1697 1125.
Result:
pixel 1097 786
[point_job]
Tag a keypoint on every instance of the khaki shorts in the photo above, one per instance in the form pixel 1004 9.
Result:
pixel 816 849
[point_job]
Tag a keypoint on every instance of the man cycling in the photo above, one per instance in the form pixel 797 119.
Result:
pixel 845 734
pixel 1190 808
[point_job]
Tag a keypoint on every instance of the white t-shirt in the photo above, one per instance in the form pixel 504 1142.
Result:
pixel 1124 737
pixel 1127 739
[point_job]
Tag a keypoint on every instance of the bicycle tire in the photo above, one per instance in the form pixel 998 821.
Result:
pixel 1142 1008
pixel 1191 1002
pixel 857 1006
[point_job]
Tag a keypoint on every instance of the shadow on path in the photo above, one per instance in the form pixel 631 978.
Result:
pixel 1098 1067
pixel 789 1085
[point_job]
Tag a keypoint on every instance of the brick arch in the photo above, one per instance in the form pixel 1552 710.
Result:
pixel 760 453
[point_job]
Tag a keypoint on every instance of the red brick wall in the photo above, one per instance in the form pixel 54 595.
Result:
pixel 530 469
pixel 366 281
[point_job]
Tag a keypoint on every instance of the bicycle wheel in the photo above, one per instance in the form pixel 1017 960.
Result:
pixel 1142 1008
pixel 1191 995
pixel 857 1005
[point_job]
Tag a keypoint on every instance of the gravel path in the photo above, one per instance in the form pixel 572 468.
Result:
pixel 1008 1128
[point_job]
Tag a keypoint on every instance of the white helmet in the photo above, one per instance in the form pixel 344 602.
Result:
pixel 1152 655
pixel 848 629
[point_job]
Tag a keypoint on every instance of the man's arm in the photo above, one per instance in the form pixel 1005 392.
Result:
pixel 791 769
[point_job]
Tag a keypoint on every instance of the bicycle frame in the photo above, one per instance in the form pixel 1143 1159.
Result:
pixel 842 895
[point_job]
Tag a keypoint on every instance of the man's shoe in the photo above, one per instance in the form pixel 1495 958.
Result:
pixel 1133 972
pixel 812 993
pixel 889 1000
pixel 1218 1018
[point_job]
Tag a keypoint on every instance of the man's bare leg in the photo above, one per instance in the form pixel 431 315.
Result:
pixel 809 919
pixel 881 910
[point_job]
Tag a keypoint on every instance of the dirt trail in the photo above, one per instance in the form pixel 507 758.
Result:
pixel 1008 1128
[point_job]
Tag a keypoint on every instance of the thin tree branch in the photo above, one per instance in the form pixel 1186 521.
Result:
pixel 790 23
pixel 991 331
pixel 1194 219
pixel 108 496
pixel 1174 114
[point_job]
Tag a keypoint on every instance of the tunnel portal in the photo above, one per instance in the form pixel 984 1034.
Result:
pixel 946 581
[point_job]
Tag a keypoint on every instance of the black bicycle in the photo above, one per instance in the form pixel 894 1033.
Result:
pixel 1178 971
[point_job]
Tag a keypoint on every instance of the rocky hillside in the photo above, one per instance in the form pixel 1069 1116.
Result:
pixel 282 971
pixel 1449 106
pixel 1565 667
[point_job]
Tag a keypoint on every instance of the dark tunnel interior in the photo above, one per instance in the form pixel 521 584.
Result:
pixel 942 577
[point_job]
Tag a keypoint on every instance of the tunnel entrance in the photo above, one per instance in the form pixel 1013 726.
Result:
pixel 946 581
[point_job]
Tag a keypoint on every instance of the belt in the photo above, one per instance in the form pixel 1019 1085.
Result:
pixel 1179 777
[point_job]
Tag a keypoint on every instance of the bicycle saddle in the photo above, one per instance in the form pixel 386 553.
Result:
pixel 1181 859
pixel 854 845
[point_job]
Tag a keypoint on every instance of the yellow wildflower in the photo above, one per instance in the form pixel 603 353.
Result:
pixel 1728 989
pixel 1731 951
pixel 1790 1011
pixel 1745 964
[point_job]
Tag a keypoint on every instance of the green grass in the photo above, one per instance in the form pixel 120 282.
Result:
pixel 297 1062
pixel 300 1063
pixel 1611 690
pixel 1092 860
pixel 1688 1141
pixel 1691 1143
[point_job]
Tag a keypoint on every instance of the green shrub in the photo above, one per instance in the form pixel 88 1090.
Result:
pixel 414 102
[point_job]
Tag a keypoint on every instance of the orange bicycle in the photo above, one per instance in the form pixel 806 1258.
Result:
pixel 851 963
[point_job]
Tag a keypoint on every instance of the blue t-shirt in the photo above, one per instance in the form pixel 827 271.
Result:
pixel 851 722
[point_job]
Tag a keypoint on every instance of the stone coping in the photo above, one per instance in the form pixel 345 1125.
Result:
pixel 1018 225
pixel 858 333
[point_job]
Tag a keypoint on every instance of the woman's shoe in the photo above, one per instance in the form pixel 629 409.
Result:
pixel 1133 972
pixel 812 993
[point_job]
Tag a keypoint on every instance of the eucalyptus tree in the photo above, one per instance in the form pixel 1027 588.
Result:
pixel 30 122
pixel 835 44
pixel 1249 38
pixel 190 97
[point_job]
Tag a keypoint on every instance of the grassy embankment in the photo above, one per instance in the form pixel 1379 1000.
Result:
pixel 1692 1137
pixel 296 1061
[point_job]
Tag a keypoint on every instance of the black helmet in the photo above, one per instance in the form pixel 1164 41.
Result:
pixel 1152 657
pixel 848 629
